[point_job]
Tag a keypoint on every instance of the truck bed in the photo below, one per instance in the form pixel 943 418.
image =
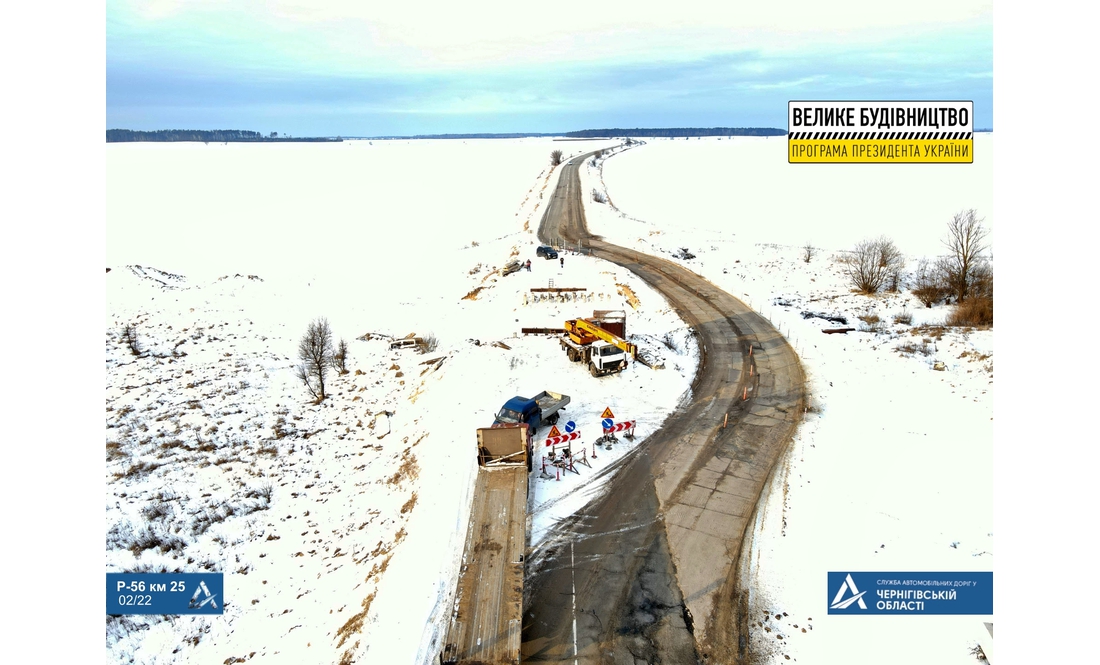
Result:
pixel 486 624
pixel 550 403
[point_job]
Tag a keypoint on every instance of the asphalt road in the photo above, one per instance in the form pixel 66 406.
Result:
pixel 655 559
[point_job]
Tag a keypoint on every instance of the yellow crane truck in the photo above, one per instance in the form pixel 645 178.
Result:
pixel 603 351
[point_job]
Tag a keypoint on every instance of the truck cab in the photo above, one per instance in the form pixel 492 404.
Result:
pixel 602 357
pixel 520 410
pixel 606 358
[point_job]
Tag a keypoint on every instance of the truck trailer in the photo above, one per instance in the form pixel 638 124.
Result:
pixel 485 625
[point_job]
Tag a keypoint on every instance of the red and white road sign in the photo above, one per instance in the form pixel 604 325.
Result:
pixel 619 427
pixel 555 440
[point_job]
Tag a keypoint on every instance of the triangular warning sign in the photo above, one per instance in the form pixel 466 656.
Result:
pixel 607 413
pixel 553 432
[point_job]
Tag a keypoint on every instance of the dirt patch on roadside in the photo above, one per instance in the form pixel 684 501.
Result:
pixel 627 293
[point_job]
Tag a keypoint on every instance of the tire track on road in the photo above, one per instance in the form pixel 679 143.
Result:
pixel 660 547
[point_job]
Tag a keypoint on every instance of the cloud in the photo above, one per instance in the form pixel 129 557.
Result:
pixel 360 37
pixel 340 69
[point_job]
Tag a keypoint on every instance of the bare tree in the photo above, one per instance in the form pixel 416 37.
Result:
pixel 808 252
pixel 966 247
pixel 928 282
pixel 340 357
pixel 555 157
pixel 315 353
pixel 873 264
pixel 892 261
pixel 130 337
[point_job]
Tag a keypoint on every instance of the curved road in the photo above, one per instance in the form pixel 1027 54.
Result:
pixel 648 571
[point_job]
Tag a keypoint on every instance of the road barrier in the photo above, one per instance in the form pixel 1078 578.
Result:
pixel 626 425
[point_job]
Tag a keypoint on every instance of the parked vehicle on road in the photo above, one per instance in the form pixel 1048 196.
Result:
pixel 546 252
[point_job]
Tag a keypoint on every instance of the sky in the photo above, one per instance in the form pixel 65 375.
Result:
pixel 350 68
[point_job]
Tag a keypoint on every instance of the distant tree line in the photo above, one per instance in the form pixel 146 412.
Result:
pixel 604 133
pixel 205 135
pixel 677 132
pixel 481 135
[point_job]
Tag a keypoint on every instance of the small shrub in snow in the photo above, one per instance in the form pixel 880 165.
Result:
pixel 871 323
pixel 931 332
pixel 904 317
pixel 155 537
pixel 114 451
pixel 282 428
pixel 683 253
pixel 976 308
pixel 263 493
pixel 130 338
pixel 157 511
pixel 975 312
pixel 429 343
pixel 598 196
pixel 136 470
pixel 912 348
pixel 208 517
pixel 340 357
pixel 555 157
pixel 122 627
pixel 808 253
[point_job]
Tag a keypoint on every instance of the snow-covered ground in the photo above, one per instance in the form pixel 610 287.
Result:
pixel 892 468
pixel 339 526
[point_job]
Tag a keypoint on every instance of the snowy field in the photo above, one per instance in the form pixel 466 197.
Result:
pixel 339 527
pixel 892 468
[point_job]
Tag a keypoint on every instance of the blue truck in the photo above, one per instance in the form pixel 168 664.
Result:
pixel 542 409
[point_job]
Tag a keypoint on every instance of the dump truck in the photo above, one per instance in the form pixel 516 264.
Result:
pixel 603 351
pixel 485 625
pixel 537 411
